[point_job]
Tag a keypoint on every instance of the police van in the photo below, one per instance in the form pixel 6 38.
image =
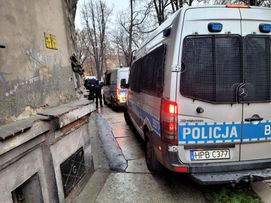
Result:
pixel 114 91
pixel 199 94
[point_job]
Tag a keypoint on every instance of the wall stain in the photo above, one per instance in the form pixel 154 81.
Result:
pixel 4 81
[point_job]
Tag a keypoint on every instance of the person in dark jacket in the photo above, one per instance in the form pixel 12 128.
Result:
pixel 98 93
pixel 90 85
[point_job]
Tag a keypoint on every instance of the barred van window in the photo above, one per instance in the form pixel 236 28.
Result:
pixel 153 71
pixel 135 76
pixel 257 73
pixel 211 67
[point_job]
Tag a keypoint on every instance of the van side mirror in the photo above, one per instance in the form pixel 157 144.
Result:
pixel 123 83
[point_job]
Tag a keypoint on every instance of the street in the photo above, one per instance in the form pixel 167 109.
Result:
pixel 129 180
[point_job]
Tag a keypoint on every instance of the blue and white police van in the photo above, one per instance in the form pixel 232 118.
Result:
pixel 199 94
pixel 114 91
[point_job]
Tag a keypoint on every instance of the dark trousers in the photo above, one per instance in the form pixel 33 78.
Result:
pixel 99 97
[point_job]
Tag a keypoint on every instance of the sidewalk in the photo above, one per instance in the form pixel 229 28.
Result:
pixel 263 190
pixel 109 186
pixel 101 168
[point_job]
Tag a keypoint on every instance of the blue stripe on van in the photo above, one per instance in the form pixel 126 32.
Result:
pixel 224 132
pixel 203 133
pixel 144 114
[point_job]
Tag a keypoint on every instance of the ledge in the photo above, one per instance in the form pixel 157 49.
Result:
pixel 18 127
pixel 63 115
pixel 68 113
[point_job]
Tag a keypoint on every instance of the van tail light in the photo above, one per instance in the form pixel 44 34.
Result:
pixel 117 92
pixel 237 6
pixel 169 122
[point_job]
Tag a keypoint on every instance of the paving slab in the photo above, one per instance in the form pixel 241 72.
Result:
pixel 92 188
pixel 263 190
pixel 137 166
pixel 131 148
pixel 121 131
pixel 129 187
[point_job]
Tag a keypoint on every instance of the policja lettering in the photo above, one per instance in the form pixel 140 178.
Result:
pixel 209 132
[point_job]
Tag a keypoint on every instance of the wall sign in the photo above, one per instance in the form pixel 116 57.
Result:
pixel 50 41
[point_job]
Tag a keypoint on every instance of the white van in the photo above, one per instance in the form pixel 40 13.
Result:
pixel 199 94
pixel 114 81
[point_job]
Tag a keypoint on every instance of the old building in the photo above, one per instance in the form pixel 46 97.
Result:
pixel 45 149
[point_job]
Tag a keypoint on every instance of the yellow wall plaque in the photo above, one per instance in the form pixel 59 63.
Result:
pixel 50 41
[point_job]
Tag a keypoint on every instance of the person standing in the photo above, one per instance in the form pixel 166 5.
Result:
pixel 98 93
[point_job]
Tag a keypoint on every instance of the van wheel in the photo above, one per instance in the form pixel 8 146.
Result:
pixel 105 102
pixel 112 105
pixel 127 117
pixel 152 163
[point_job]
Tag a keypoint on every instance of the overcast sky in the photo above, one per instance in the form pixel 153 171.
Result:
pixel 117 5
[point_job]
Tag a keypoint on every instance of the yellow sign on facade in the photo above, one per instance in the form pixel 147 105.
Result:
pixel 53 41
pixel 50 41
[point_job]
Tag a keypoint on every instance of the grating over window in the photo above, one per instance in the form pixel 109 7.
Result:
pixel 135 76
pixel 257 71
pixel 147 73
pixel 72 170
pixel 211 67
pixel 153 71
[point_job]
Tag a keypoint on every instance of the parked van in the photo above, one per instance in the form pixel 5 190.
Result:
pixel 114 92
pixel 199 94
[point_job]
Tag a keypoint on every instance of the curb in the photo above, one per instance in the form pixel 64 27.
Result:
pixel 117 162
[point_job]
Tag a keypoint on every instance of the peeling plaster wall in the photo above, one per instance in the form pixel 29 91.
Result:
pixel 32 76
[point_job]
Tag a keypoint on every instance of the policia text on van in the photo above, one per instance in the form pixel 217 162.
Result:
pixel 199 94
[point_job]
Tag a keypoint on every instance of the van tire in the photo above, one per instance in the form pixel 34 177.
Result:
pixel 152 163
pixel 105 102
pixel 127 117
pixel 112 104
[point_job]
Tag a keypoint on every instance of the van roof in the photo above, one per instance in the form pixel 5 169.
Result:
pixel 172 17
pixel 119 68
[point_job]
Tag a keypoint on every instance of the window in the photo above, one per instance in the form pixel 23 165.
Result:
pixel 153 71
pixel 134 79
pixel 147 73
pixel 107 78
pixel 214 67
pixel 257 72
pixel 211 67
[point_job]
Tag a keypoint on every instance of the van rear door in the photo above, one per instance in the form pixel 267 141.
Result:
pixel 257 80
pixel 209 114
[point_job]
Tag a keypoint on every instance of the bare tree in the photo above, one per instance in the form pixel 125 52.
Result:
pixel 95 15
pixel 163 7
pixel 264 3
pixel 81 46
pixel 133 27
pixel 160 8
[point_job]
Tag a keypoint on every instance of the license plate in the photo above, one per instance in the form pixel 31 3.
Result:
pixel 214 154
pixel 123 99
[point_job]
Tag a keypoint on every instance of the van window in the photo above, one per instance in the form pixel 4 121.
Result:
pixel 135 75
pixel 153 71
pixel 147 73
pixel 257 73
pixel 107 78
pixel 214 66
pixel 211 67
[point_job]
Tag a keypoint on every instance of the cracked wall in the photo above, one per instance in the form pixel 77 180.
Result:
pixel 32 76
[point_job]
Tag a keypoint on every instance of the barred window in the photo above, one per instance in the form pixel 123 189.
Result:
pixel 147 73
pixel 135 73
pixel 257 68
pixel 153 71
pixel 211 67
